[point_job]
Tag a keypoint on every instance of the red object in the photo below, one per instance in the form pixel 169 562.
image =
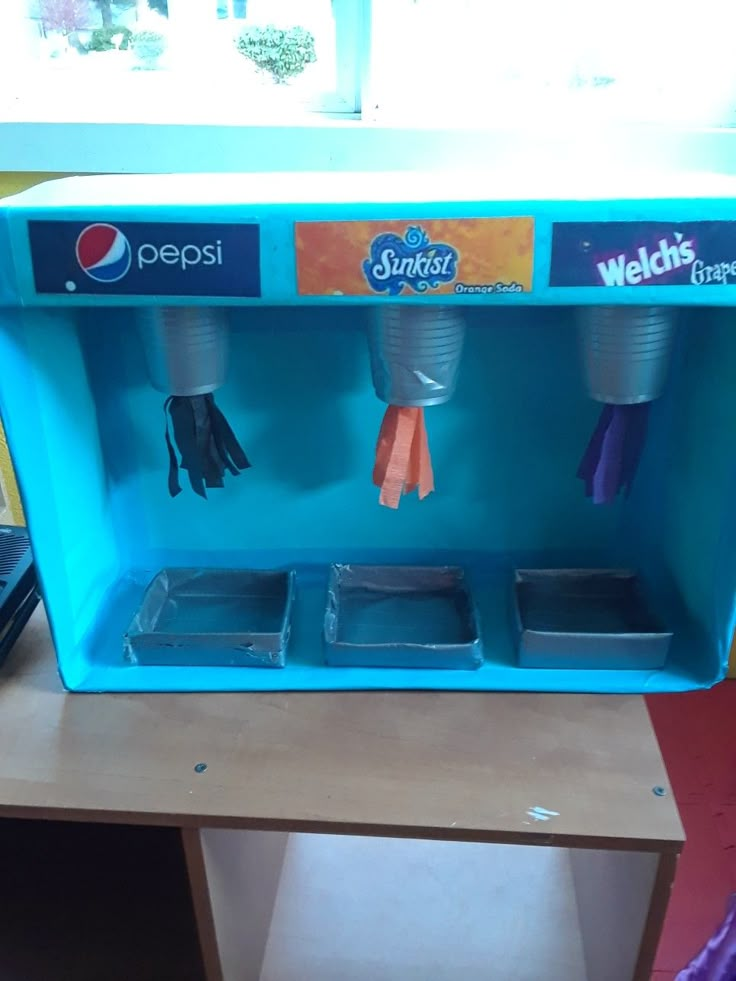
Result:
pixel 95 243
pixel 697 735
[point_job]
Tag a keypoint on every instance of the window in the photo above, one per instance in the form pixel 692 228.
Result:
pixel 358 84
pixel 178 61
pixel 504 62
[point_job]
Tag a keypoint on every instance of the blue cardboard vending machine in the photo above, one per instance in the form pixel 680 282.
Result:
pixel 323 432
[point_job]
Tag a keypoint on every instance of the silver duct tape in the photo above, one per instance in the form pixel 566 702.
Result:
pixel 213 618
pixel 578 619
pixel 626 352
pixel 186 349
pixel 401 617
pixel 415 354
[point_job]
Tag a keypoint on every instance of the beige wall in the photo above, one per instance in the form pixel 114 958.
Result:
pixel 11 511
pixel 11 183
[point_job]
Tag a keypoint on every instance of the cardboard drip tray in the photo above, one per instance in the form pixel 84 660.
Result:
pixel 213 618
pixel 586 618
pixel 401 617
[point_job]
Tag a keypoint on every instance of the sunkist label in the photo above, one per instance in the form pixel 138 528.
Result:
pixel 413 261
pixel 611 254
pixel 464 256
pixel 145 258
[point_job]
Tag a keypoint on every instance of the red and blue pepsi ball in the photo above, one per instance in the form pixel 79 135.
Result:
pixel 103 253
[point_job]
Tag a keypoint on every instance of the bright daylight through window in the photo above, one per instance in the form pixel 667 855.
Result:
pixel 494 63
pixel 483 63
pixel 178 61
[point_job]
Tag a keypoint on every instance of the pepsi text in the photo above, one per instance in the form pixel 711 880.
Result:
pixel 184 256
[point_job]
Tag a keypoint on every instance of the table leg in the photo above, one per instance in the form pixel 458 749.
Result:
pixel 622 900
pixel 202 902
pixel 234 877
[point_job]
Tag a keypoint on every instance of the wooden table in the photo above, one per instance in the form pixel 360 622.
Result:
pixel 428 792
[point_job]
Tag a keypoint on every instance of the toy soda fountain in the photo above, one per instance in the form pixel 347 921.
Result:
pixel 186 349
pixel 626 354
pixel 121 294
pixel 415 356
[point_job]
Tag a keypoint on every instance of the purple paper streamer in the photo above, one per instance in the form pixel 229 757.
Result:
pixel 636 436
pixel 612 456
pixel 717 960
pixel 607 477
pixel 589 463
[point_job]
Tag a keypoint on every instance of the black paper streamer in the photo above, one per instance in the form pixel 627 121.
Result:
pixel 206 443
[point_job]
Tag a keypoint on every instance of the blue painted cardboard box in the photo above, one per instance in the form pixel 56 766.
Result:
pixel 80 257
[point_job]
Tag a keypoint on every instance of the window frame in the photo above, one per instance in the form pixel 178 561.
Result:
pixel 27 112
pixel 357 135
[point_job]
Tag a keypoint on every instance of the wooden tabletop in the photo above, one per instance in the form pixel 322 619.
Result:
pixel 467 766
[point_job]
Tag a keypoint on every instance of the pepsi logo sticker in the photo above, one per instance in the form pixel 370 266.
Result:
pixel 124 258
pixel 103 253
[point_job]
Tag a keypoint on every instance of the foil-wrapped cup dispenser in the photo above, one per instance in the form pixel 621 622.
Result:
pixel 187 351
pixel 415 356
pixel 626 355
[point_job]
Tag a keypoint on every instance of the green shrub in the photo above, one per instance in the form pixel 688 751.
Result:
pixel 282 53
pixel 110 39
pixel 148 45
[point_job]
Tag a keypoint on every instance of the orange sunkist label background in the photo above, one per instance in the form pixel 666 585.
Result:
pixel 495 253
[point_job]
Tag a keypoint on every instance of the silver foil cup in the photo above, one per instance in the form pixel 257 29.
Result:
pixel 626 352
pixel 415 354
pixel 186 349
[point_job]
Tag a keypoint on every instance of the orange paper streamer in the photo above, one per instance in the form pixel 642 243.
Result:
pixel 403 463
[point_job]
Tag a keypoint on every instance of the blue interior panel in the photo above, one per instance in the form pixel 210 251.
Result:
pixel 86 430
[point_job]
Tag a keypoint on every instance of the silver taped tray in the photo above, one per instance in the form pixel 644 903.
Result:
pixel 586 618
pixel 213 618
pixel 400 617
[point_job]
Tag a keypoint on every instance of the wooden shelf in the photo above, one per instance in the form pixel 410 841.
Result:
pixel 275 893
pixel 398 910
pixel 464 766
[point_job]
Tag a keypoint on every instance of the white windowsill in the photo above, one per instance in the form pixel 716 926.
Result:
pixel 400 187
pixel 306 141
